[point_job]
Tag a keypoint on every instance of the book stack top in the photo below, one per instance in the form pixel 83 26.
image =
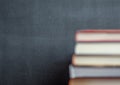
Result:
pixel 96 55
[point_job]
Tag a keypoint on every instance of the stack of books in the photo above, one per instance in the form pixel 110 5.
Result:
pixel 96 60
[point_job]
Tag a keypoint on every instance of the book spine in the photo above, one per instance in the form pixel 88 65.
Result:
pixel 72 72
pixel 77 35
pixel 93 72
pixel 99 31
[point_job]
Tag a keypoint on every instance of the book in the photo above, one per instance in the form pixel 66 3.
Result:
pixel 93 72
pixel 100 31
pixel 101 48
pixel 96 60
pixel 97 35
pixel 95 81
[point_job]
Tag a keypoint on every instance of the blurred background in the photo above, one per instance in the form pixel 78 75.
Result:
pixel 37 36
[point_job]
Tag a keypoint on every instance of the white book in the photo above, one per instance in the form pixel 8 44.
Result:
pixel 112 48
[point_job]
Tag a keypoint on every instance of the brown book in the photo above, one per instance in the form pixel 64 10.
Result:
pixel 96 60
pixel 95 81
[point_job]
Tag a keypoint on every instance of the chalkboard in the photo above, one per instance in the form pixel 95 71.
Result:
pixel 37 36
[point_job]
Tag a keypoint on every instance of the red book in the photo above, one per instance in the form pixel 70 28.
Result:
pixel 100 31
pixel 97 36
pixel 95 81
